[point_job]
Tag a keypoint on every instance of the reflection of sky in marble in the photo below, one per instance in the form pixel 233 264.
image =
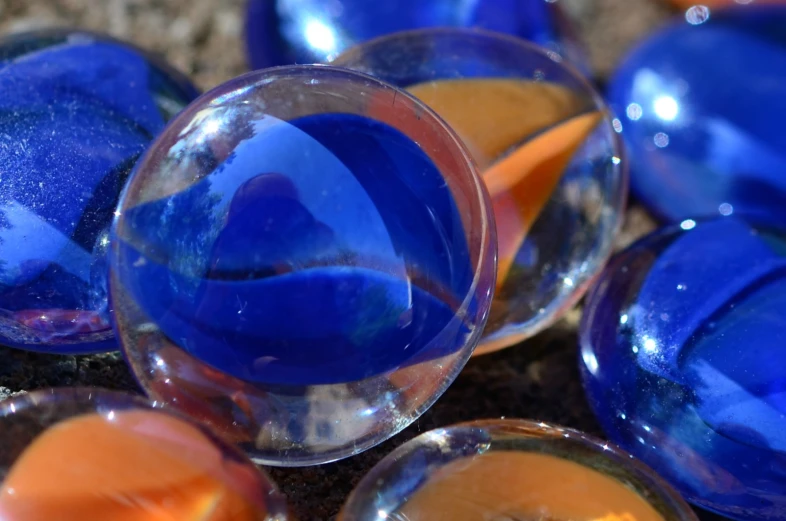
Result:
pixel 716 327
pixel 43 242
pixel 334 197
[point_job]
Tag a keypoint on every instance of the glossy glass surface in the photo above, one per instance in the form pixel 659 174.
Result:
pixel 548 155
pixel 77 111
pixel 282 32
pixel 89 455
pixel 305 259
pixel 681 343
pixel 700 103
pixel 511 469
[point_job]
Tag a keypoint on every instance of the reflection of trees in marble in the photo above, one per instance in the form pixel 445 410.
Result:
pixel 191 220
pixel 192 225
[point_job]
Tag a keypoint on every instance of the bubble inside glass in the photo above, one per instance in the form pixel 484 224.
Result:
pixel 87 454
pixel 303 259
pixel 681 343
pixel 77 111
pixel 547 150
pixel 511 469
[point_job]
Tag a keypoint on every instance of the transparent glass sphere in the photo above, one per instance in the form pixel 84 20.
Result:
pixel 510 470
pixel 547 151
pixel 305 260
pixel 87 455
pixel 77 111
pixel 682 348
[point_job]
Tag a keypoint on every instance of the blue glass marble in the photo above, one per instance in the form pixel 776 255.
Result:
pixel 298 233
pixel 280 32
pixel 701 104
pixel 682 348
pixel 77 111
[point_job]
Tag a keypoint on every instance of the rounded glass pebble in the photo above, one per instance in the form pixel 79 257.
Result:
pixel 304 259
pixel 77 111
pixel 86 454
pixel 707 140
pixel 282 32
pixel 511 469
pixel 681 347
pixel 547 151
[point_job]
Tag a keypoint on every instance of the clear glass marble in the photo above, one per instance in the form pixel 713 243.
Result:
pixel 547 150
pixel 77 111
pixel 511 470
pixel 305 260
pixel 92 455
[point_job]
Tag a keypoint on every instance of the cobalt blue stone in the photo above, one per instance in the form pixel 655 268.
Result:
pixel 682 346
pixel 702 111
pixel 269 287
pixel 76 112
pixel 280 32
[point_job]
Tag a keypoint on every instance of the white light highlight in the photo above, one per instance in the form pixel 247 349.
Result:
pixel 688 224
pixel 320 36
pixel 634 112
pixel 666 108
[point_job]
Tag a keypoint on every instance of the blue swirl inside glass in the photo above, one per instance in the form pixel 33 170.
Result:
pixel 77 111
pixel 325 249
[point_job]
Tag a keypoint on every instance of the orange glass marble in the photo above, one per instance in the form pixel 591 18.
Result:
pixel 511 469
pixel 548 151
pixel 88 455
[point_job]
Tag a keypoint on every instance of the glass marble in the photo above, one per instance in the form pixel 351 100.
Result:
pixel 548 154
pixel 305 259
pixel 282 32
pixel 701 104
pixel 77 111
pixel 681 346
pixel 88 455
pixel 511 470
